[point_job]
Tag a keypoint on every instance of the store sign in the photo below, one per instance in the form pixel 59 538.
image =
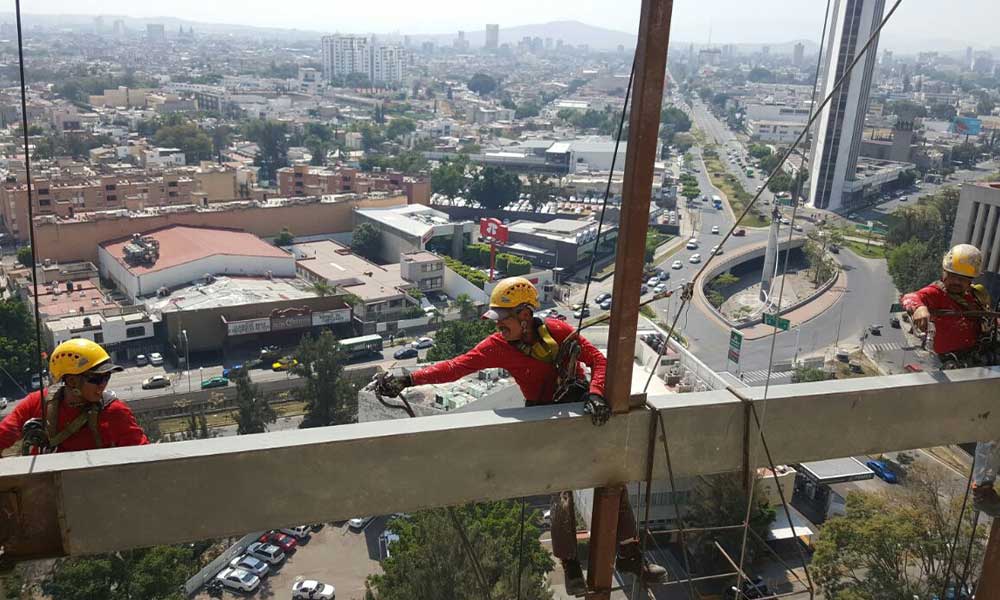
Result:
pixel 330 317
pixel 493 229
pixel 248 327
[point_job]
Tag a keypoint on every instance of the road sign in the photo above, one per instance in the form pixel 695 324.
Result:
pixel 735 340
pixel 776 321
pixel 734 355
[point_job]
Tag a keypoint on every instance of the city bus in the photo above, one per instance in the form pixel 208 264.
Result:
pixel 358 347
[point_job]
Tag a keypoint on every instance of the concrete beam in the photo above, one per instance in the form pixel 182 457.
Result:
pixel 118 498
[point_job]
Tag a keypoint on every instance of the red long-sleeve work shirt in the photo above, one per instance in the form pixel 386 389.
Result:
pixel 536 379
pixel 952 333
pixel 116 423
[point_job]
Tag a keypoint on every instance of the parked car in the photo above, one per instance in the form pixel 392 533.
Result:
pixel 233 371
pixel 643 289
pixel 660 288
pixel 300 532
pixel 269 354
pixel 359 523
pixel 407 352
pixel 600 298
pixel 715 229
pixel 266 552
pixel 238 579
pixel 583 312
pixel 287 543
pixel 284 364
pixel 155 382
pixel 424 343
pixel 740 232
pixel 251 564
pixel 677 265
pixel 310 588
pixel 695 259
pixel 882 470
pixel 606 305
pixel 653 281
pixel 156 359
pixel 214 382
pixel 785 221
pixel 141 360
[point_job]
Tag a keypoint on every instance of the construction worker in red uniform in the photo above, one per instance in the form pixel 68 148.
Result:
pixel 77 412
pixel 964 336
pixel 535 353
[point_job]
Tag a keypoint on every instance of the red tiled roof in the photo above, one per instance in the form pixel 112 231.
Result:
pixel 180 244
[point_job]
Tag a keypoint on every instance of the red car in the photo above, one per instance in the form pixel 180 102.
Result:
pixel 740 232
pixel 286 542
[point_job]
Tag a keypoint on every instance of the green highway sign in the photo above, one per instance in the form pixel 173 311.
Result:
pixel 776 321
pixel 735 340
pixel 896 308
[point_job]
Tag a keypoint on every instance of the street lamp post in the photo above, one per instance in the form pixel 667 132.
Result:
pixel 187 357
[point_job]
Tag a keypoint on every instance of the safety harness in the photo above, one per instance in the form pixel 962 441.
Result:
pixel 45 435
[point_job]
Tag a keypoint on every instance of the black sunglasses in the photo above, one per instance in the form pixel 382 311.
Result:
pixel 97 378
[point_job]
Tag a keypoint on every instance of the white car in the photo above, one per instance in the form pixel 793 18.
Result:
pixel 785 221
pixel 359 523
pixel 677 265
pixel 695 259
pixel 716 250
pixel 251 564
pixel 141 360
pixel 660 288
pixel 301 532
pixel 238 579
pixel 310 588
pixel 715 229
pixel 156 359
pixel 692 245
pixel 268 553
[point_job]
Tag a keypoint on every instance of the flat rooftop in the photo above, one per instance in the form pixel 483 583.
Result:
pixel 835 470
pixel 342 268
pixel 413 219
pixel 85 298
pixel 180 244
pixel 231 291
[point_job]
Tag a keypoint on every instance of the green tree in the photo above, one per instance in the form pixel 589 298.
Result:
pixel 429 562
pixel 271 138
pixel 540 190
pixel 399 127
pixel 331 399
pixel 913 265
pixel 17 344
pixel 366 241
pixel 253 409
pixel 759 150
pixel 482 84
pixel 802 374
pixel 683 141
pixel 527 110
pixel 906 109
pixel 449 177
pixel 155 573
pixel 897 548
pixel 285 238
pixel 717 501
pixel 943 111
pixel 189 138
pixel 761 75
pixel 24 256
pixel 322 288
pixel 466 307
pixel 673 120
pixel 371 137
pixel 458 337
pixel 495 187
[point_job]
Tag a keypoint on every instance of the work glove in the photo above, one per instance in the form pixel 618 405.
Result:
pixel 597 407
pixel 388 385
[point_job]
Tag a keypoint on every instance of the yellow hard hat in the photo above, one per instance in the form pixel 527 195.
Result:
pixel 965 260
pixel 77 356
pixel 509 294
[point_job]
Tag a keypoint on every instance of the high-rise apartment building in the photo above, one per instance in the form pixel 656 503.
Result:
pixel 798 54
pixel 154 31
pixel 492 37
pixel 346 54
pixel 840 125
pixel 977 222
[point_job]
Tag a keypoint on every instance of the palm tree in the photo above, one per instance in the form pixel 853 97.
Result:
pixel 322 288
pixel 466 307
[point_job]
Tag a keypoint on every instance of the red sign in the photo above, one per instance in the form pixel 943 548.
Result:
pixel 493 229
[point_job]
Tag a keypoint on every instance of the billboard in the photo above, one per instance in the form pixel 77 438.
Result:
pixel 493 229
pixel 966 126
pixel 329 317
pixel 248 326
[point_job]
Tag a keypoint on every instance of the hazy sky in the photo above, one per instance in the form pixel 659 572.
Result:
pixel 961 21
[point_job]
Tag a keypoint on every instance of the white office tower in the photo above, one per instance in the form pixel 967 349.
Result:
pixel 839 129
pixel 346 54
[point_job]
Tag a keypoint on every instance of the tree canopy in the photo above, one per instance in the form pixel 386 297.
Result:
pixel 330 398
pixel 458 337
pixel 366 241
pixel 429 562
pixel 271 138
pixel 253 408
pixel 482 84
pixel 494 187
pixel 17 344
pixel 155 573
pixel 918 237
pixel 449 177
pixel 189 138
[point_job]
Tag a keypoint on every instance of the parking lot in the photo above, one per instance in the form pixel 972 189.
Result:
pixel 334 554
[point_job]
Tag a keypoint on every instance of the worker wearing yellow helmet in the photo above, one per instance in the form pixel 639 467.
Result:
pixel 965 335
pixel 547 362
pixel 76 412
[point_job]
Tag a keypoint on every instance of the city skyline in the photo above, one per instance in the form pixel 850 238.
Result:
pixel 915 25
